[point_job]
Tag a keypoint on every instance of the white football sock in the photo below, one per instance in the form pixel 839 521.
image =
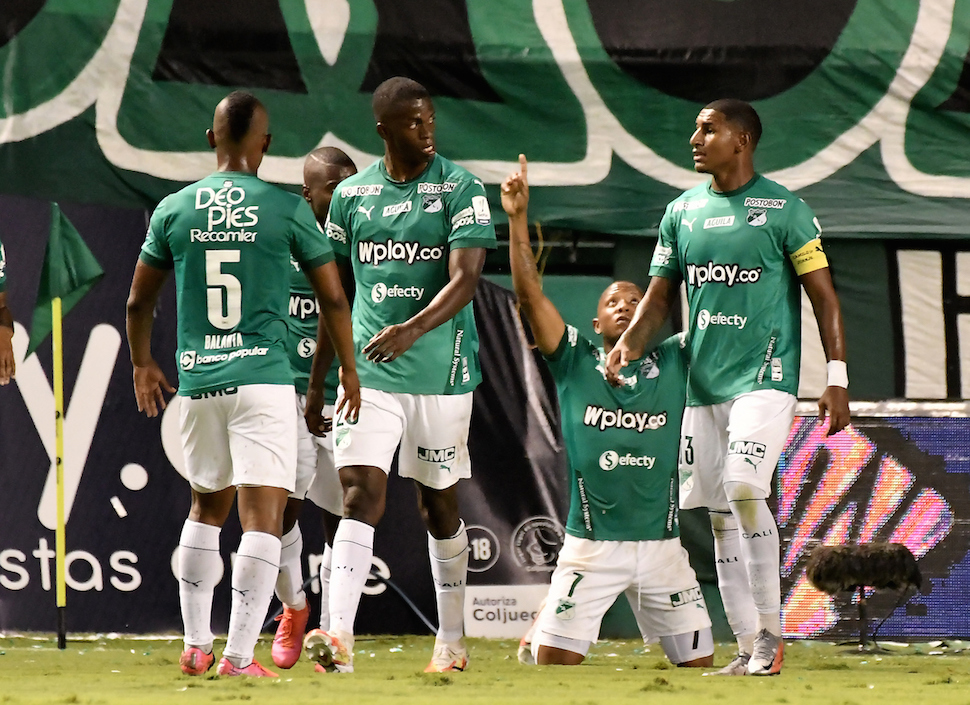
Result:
pixel 325 588
pixel 760 549
pixel 289 584
pixel 200 568
pixel 449 568
pixel 253 576
pixel 732 580
pixel 353 550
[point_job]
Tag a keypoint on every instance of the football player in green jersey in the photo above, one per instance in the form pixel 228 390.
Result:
pixel 622 534
pixel 8 367
pixel 316 475
pixel 742 244
pixel 229 238
pixel 414 228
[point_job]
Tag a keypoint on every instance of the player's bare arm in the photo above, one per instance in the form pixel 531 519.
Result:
pixel 8 368
pixel 652 312
pixel 825 302
pixel 464 268
pixel 546 323
pixel 334 333
pixel 148 378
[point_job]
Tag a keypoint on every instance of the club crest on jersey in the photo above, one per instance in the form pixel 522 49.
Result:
pixel 431 203
pixel 757 216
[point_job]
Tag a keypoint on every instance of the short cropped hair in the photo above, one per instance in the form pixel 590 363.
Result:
pixel 741 114
pixel 333 156
pixel 240 108
pixel 394 92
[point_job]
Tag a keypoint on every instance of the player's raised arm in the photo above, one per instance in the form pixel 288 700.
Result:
pixel 334 324
pixel 464 269
pixel 825 302
pixel 148 378
pixel 547 325
pixel 652 312
pixel 8 368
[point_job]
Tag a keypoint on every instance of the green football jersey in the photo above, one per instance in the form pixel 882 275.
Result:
pixel 397 236
pixel 3 268
pixel 735 252
pixel 301 335
pixel 229 238
pixel 623 443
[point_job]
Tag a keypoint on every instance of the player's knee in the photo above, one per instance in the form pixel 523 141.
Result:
pixel 723 521
pixel 691 649
pixel 364 494
pixel 742 492
pixel 551 656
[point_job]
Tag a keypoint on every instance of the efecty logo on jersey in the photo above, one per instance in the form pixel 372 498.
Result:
pixel 225 207
pixel 599 417
pixel 370 252
pixel 705 318
pixel 382 291
pixel 610 460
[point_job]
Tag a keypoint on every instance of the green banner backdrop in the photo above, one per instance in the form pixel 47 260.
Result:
pixel 865 101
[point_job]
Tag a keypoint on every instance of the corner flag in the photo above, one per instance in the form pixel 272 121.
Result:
pixel 69 272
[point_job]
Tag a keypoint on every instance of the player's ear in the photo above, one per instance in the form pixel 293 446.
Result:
pixel 306 194
pixel 596 326
pixel 211 137
pixel 266 141
pixel 381 130
pixel 744 140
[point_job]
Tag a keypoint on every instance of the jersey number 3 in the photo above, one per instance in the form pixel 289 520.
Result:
pixel 223 314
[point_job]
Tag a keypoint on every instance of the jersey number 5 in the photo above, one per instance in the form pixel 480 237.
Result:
pixel 223 315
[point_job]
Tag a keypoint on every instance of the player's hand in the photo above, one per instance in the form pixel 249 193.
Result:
pixel 149 385
pixel 834 401
pixel 515 190
pixel 617 359
pixel 8 368
pixel 316 422
pixel 349 401
pixel 391 342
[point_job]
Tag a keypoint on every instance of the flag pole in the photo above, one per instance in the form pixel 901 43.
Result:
pixel 59 537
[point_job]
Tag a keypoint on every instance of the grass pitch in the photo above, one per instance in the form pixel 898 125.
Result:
pixel 389 670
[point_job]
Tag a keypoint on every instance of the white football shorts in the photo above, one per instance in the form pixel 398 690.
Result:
pixel 736 441
pixel 655 576
pixel 316 475
pixel 431 429
pixel 240 436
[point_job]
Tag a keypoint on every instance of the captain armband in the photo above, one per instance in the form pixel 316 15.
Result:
pixel 809 258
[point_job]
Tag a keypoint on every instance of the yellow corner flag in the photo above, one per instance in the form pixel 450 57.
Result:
pixel 69 272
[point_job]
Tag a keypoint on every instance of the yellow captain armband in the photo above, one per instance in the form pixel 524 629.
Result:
pixel 809 258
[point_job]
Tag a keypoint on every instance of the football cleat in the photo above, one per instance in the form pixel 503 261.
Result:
pixel 194 661
pixel 737 667
pixel 447 658
pixel 288 642
pixel 253 670
pixel 333 652
pixel 768 656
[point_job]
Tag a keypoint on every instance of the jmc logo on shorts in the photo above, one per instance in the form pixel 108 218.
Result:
pixel 684 597
pixel 436 455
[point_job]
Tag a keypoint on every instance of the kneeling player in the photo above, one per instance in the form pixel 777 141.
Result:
pixel 622 529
